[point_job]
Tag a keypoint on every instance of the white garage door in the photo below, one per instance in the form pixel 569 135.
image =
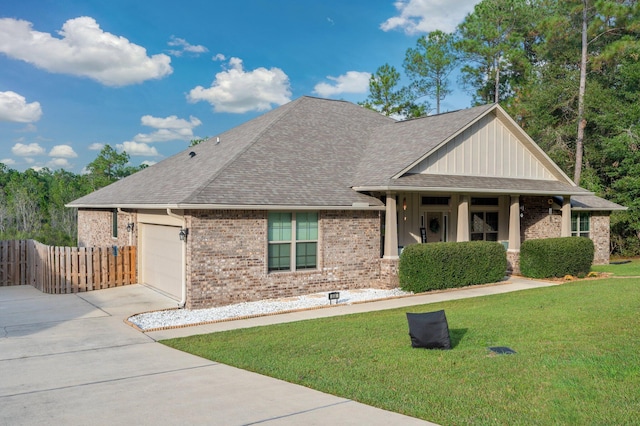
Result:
pixel 161 258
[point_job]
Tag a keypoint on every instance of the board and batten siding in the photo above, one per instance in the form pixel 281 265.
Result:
pixel 487 148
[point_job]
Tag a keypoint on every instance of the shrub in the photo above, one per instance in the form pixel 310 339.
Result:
pixel 556 257
pixel 433 266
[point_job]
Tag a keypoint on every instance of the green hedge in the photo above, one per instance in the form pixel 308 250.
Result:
pixel 556 257
pixel 433 266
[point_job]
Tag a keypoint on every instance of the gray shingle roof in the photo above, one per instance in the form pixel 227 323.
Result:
pixel 310 152
pixel 456 183
pixel 595 203
pixel 301 154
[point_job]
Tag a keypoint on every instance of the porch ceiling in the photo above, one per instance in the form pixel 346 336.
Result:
pixel 478 184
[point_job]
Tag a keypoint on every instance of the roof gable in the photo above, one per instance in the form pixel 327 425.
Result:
pixel 395 147
pixel 490 147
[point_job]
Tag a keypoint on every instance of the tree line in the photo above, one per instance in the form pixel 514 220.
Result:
pixel 568 71
pixel 32 203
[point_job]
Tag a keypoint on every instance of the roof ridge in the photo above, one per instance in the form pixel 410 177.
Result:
pixel 488 106
pixel 232 160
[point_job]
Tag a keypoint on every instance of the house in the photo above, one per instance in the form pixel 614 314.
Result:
pixel 321 195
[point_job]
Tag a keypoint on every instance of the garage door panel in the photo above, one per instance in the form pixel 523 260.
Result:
pixel 161 258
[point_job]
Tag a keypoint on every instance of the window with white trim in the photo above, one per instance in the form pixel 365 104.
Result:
pixel 293 241
pixel 580 224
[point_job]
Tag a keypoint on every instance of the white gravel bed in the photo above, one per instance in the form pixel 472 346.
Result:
pixel 182 317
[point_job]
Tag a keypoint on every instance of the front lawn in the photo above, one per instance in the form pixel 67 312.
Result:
pixel 620 268
pixel 577 360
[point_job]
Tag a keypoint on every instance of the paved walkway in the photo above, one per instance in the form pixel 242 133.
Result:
pixel 71 359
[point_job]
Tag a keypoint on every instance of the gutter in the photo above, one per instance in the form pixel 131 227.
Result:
pixel 183 274
pixel 461 190
pixel 276 207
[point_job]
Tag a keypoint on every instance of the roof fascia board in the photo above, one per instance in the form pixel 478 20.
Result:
pixel 462 190
pixel 443 143
pixel 224 207
pixel 599 209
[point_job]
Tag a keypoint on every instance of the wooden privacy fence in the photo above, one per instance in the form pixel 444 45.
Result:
pixel 66 269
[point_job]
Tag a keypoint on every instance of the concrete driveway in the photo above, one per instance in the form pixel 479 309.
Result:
pixel 70 359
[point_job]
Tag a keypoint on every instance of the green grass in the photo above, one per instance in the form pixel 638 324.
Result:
pixel 577 361
pixel 631 269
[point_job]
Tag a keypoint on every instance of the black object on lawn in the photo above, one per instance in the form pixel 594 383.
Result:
pixel 429 330
pixel 502 350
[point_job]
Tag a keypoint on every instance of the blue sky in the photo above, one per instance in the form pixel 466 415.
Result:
pixel 148 76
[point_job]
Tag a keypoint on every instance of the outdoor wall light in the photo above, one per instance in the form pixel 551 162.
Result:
pixel 130 226
pixel 404 207
pixel 183 234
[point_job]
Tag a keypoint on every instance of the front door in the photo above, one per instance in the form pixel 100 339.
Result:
pixel 435 227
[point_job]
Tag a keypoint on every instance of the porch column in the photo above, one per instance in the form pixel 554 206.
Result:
pixel 391 228
pixel 514 223
pixel 565 228
pixel 463 219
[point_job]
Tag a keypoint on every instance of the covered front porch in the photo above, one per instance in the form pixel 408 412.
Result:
pixel 420 216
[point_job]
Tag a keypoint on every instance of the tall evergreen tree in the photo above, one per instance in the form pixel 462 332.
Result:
pixel 386 97
pixel 429 65
pixel 491 41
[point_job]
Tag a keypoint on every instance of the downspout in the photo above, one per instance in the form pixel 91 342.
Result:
pixel 183 274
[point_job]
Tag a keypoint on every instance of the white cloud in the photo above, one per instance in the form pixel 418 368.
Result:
pixel 219 57
pixel 169 129
pixel 62 151
pixel 96 146
pixel 84 49
pixel 183 46
pixel 27 150
pixel 171 122
pixel 37 168
pixel 238 91
pixel 29 160
pixel 29 128
pixel 137 149
pixel 59 163
pixel 424 16
pixel 8 161
pixel 351 82
pixel 14 107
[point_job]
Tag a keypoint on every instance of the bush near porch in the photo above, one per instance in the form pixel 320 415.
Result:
pixel 556 257
pixel 435 266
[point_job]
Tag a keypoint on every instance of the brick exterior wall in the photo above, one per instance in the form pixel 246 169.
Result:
pixel 537 223
pixel 94 228
pixel 600 234
pixel 513 262
pixel 227 257
pixel 227 251
pixel 389 273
